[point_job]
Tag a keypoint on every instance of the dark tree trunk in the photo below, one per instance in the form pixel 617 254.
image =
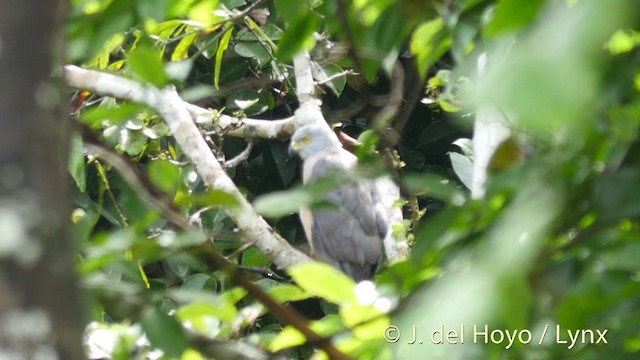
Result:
pixel 39 304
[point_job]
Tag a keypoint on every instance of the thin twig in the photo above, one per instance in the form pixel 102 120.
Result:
pixel 244 155
pixel 262 271
pixel 337 75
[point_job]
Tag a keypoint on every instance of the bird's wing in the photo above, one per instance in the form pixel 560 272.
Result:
pixel 350 235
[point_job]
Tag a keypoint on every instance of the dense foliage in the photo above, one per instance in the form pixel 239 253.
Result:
pixel 554 243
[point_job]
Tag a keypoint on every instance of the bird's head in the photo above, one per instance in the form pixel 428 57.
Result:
pixel 312 139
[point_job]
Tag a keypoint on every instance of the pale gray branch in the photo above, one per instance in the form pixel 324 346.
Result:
pixel 244 155
pixel 127 89
pixel 175 112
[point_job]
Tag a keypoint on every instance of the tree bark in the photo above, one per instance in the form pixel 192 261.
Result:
pixel 40 316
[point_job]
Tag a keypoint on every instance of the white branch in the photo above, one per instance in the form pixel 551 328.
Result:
pixel 173 109
pixel 180 117
pixel 309 111
pixel 126 89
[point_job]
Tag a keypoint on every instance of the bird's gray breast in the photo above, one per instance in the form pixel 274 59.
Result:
pixel 349 235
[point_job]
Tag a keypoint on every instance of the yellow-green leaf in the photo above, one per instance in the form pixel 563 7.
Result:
pixel 324 281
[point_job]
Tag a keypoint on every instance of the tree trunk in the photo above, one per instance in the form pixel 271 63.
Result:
pixel 40 315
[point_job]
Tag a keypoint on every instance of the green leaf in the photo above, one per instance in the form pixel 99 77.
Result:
pixel 429 42
pixel 290 336
pixel 232 4
pixel 165 175
pixel 324 281
pixel 288 9
pixel 152 9
pixel 325 72
pixel 198 311
pixel 204 12
pixel 252 102
pixel 280 203
pixel 514 300
pixel 222 47
pixel 132 142
pixel 437 232
pixel 254 257
pixel 253 50
pixel 356 314
pixel 436 187
pixel 102 59
pixel 145 63
pixel 181 51
pixel 287 292
pixel 76 164
pixel 384 38
pixel 90 34
pixel 512 15
pixel 164 332
pixel 233 295
pixel 156 131
pixel 623 41
pixel 298 36
pixel 114 115
pixel 202 317
pixel 463 167
pixel 215 197
pixel 167 29
pixel 367 151
pixel 179 8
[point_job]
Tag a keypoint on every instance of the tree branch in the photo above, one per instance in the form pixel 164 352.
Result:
pixel 127 89
pixel 179 119
pixel 159 200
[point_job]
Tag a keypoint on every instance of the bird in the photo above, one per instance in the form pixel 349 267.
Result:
pixel 348 235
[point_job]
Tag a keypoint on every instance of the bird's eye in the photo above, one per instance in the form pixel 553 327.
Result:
pixel 306 140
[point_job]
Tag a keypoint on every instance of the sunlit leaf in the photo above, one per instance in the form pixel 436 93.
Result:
pixel 429 42
pixel 325 281
pixel 222 48
pixel 290 336
pixel 181 51
pixel 204 12
pixel 112 114
pixel 511 15
pixel 145 63
pixel 287 292
pixel 215 198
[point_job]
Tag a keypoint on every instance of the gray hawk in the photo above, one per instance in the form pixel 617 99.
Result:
pixel 350 234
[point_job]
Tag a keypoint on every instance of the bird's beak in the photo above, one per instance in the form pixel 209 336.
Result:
pixel 293 148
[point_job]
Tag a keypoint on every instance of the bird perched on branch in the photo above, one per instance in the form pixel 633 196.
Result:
pixel 350 234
